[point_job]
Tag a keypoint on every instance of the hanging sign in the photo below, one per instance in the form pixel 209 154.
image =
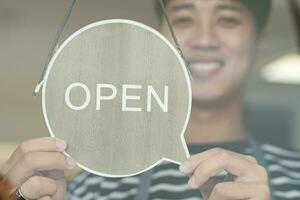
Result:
pixel 119 94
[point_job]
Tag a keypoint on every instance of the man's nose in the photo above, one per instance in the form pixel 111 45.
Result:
pixel 205 37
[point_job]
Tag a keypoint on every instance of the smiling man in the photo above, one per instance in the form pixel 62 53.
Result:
pixel 219 39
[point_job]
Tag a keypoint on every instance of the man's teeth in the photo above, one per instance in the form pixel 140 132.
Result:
pixel 211 66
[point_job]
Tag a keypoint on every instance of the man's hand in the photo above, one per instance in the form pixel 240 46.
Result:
pixel 247 179
pixel 37 168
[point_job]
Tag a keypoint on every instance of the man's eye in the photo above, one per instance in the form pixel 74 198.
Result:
pixel 182 21
pixel 229 21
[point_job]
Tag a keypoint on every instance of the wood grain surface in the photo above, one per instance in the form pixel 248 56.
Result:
pixel 112 142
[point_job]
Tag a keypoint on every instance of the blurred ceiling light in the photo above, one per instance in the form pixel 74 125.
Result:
pixel 285 70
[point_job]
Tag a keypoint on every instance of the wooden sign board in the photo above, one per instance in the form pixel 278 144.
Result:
pixel 118 92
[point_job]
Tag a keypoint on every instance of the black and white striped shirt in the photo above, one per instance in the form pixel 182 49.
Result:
pixel 167 182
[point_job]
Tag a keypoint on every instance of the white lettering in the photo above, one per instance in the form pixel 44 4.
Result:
pixel 87 96
pixel 100 97
pixel 163 106
pixel 125 97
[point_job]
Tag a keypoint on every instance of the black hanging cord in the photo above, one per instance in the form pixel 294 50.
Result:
pixel 54 45
pixel 174 37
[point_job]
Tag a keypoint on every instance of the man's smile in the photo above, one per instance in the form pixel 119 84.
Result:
pixel 205 68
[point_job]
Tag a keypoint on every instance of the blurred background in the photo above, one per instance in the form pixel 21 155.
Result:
pixel 28 28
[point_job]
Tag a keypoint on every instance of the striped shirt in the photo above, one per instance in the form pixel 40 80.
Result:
pixel 167 182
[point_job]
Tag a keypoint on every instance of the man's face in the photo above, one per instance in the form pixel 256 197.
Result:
pixel 218 39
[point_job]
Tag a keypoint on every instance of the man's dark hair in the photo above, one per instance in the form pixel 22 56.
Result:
pixel 261 10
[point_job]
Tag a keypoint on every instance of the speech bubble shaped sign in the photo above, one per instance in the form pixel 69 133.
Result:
pixel 119 93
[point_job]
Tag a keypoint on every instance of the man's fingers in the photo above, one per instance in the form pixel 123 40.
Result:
pixel 59 177
pixel 189 166
pixel 54 174
pixel 38 144
pixel 37 187
pixel 208 186
pixel 243 169
pixel 239 190
pixel 42 144
pixel 38 161
pixel 61 189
